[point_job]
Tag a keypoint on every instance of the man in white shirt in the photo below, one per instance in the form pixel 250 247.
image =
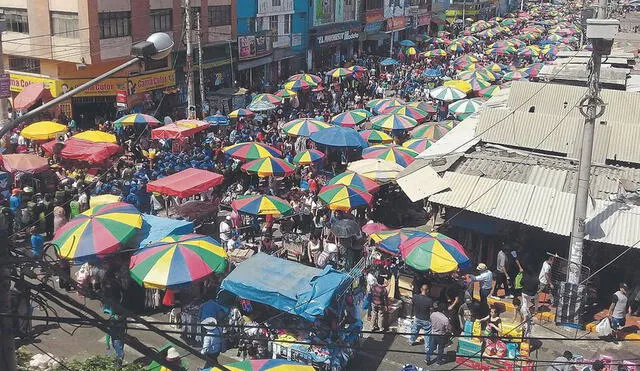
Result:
pixel 545 278
pixel 225 230
pixel 234 243
pixel 486 282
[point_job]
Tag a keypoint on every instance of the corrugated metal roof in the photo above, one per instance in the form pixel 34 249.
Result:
pixel 547 177
pixel 623 143
pixel 578 72
pixel 458 140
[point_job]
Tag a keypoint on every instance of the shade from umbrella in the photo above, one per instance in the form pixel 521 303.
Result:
pixel 248 151
pixel 137 118
pixel 350 118
pixel 308 157
pixel 98 231
pixel 355 180
pixel 96 136
pixel 435 252
pixel 262 205
pixel 379 170
pixel 447 93
pixel 298 85
pixel 345 228
pixel 465 106
pixel 412 112
pixel 376 136
pixel 217 120
pixel 43 130
pixel 418 144
pixel 240 112
pixel 342 197
pixel 304 127
pixel 427 107
pixel 177 260
pixel 264 365
pixel 286 93
pixel 339 137
pixel 400 155
pixel 390 241
pixel 461 85
pixel 339 72
pixel 431 130
pixel 269 166
pixel 393 122
pixel 306 77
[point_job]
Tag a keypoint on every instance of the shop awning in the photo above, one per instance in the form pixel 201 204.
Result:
pixel 179 129
pixel 84 150
pixel 25 162
pixel 30 95
pixel 186 183
pixel 255 63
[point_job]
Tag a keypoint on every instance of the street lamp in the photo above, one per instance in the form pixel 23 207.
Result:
pixel 157 46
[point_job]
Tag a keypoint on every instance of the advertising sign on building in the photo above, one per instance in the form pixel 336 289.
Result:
pixel 121 98
pixel 396 23
pixel 394 8
pixel 323 12
pixel 5 86
pixel 254 46
pixel 337 37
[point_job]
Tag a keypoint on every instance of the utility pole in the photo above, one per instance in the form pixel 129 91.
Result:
pixel 191 97
pixel 200 69
pixel 464 13
pixel 4 103
pixel 393 13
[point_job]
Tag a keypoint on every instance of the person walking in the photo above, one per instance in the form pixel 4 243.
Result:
pixel 486 282
pixel 212 342
pixel 440 330
pixel 544 279
pixel 379 305
pixel 115 337
pixel 619 308
pixel 422 304
pixel 502 275
pixel 225 230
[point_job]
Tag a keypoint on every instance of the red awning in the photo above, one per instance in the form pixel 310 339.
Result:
pixel 30 95
pixel 186 183
pixel 84 150
pixel 179 129
pixel 25 162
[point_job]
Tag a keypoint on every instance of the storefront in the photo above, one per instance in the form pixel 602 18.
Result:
pixel 332 45
pixel 373 31
pixel 396 27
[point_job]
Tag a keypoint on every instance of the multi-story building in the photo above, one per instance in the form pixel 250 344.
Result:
pixel 334 31
pixel 64 43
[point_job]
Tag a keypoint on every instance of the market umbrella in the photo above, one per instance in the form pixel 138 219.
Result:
pixel 435 252
pixel 264 365
pixel 308 157
pixel 374 102
pixel 350 118
pixel 514 75
pixel 462 85
pixel 389 62
pixel 376 136
pixel 177 260
pixel 261 106
pixel 427 107
pixel 379 170
pixel 43 130
pixel 456 47
pixel 298 85
pixel 411 51
pixel 248 151
pixel 431 130
pixel 479 84
pixel 533 70
pixel 217 120
pixel 393 122
pixel 431 73
pixel 371 228
pixel 337 136
pixel 240 112
pixel 24 162
pixel 465 106
pixel 306 77
pixel 269 166
pixel 266 97
pixel 435 53
pixel 493 67
pixel 481 74
pixel 355 180
pixel 104 199
pixel 304 127
pixel 390 241
pixel 447 93
pixel 137 118
pixel 262 205
pixel 357 69
pixel 345 228
pixel 412 112
pixel 418 144
pixel 98 231
pixel 385 103
pixel 96 136
pixel 339 72
pixel 489 92
pixel 400 155
pixel 407 43
pixel 286 93
pixel 342 197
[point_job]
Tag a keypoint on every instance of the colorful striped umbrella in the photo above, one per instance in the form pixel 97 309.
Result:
pixel 374 102
pixel 306 77
pixel 357 69
pixel 339 72
pixel 177 260
pixel 489 92
pixel 298 85
pixel 308 157
pixel 342 197
pixel 435 252
pixel 418 144
pixel 479 84
pixel 304 127
pixel 461 85
pixel 447 93
pixel 262 205
pixel 415 113
pixel 217 120
pixel 386 103
pixel 431 130
pixel 411 51
pixel 393 122
pixel 137 118
pixel 339 137
pixel 465 106
pixel 514 75
pixel 482 74
pixel 96 136
pixel 269 166
pixel 533 70
pixel 286 93
pixel 494 67
pixel 351 118
pixel 248 151
pixel 268 98
pixel 427 107
pixel 431 73
pixel 501 44
pixel 355 180
pixel 375 136
pixel 240 112
pixel 435 53
pixel 264 365
pixel 381 171
pixel 390 241
pixel 400 155
pixel 43 130
pixel 465 60
pixel 97 231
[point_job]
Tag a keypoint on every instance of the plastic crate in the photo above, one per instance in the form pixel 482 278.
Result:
pixel 512 331
pixel 469 347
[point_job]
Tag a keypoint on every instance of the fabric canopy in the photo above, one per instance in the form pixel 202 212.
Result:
pixel 286 285
pixel 180 129
pixel 25 162
pixel 30 96
pixel 155 228
pixel 185 183
pixel 84 150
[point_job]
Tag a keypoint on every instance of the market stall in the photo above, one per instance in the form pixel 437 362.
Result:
pixel 185 183
pixel 82 150
pixel 179 130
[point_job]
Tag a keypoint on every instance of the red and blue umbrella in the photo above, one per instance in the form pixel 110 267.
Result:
pixel 342 197
pixel 269 166
pixel 248 151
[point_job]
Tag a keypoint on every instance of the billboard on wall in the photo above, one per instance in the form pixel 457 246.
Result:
pixel 394 8
pixel 324 12
pixel 254 46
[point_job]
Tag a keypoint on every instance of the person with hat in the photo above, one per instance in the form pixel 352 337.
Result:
pixel 486 282
pixel 174 359
pixel 212 342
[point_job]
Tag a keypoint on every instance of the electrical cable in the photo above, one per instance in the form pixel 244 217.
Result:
pixel 59 362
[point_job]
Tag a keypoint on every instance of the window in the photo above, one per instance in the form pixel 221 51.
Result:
pixel 22 64
pixel 251 24
pixel 161 20
pixel 64 24
pixel 114 24
pixel 287 24
pixel 220 15
pixel 273 24
pixel 276 2
pixel 260 24
pixel 16 20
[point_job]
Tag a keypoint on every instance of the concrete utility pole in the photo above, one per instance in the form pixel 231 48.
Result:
pixel 200 69
pixel 191 96
pixel 4 103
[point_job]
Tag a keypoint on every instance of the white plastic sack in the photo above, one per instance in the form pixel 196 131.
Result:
pixel 603 328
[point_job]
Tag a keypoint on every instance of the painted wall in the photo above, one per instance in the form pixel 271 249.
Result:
pixel 247 10
pixel 300 25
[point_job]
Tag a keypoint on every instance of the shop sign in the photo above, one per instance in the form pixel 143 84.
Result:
pixel 20 81
pixel 5 86
pixel 152 81
pixel 254 46
pixel 424 20
pixel 396 23
pixel 337 37
pixel 132 85
pixel 374 15
pixel 121 98
pixel 372 28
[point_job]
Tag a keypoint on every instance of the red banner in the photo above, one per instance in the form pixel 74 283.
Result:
pixel 374 15
pixel 396 23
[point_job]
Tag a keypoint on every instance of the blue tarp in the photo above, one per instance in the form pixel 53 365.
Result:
pixel 285 285
pixel 155 228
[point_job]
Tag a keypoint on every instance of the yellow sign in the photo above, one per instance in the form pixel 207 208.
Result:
pixel 104 88
pixel 20 81
pixel 153 81
pixel 133 85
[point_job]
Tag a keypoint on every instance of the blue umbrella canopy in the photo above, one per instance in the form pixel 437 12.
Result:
pixel 337 136
pixel 219 120
pixel 431 73
pixel 407 43
pixel 389 62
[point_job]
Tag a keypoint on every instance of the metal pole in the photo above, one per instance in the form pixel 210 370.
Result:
pixel 6 128
pixel 200 70
pixel 191 97
pixel 393 13
pixel 4 103
pixel 233 79
pixel 522 5
pixel 464 12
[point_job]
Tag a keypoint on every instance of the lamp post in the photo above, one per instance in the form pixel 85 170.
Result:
pixel 157 46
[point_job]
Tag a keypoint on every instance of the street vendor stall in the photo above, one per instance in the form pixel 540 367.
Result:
pixel 179 130
pixel 186 183
pixel 82 150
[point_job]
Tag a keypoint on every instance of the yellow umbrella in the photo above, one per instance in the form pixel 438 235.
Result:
pixel 462 85
pixel 96 136
pixel 43 130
